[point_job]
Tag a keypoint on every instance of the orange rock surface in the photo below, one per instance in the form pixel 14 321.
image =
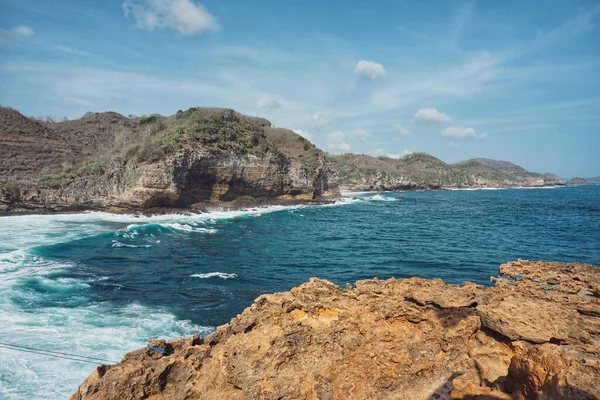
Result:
pixel 534 335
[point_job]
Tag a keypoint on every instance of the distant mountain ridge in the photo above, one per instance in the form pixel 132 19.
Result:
pixel 357 172
pixel 497 164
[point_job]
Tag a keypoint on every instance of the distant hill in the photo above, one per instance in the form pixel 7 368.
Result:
pixel 505 166
pixel 358 172
pixel 593 181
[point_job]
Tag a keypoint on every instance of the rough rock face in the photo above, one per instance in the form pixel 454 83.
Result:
pixel 188 179
pixel 534 335
pixel 195 159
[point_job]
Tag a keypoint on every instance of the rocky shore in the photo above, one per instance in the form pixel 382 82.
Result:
pixel 535 334
pixel 421 171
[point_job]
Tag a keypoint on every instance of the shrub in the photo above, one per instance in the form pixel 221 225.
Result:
pixel 89 168
pixel 311 161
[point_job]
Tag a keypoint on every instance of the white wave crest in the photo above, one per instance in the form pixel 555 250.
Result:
pixel 189 227
pixel 222 275
pixel 117 244
pixel 379 197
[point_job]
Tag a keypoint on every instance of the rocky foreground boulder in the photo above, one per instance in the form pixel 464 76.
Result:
pixel 534 335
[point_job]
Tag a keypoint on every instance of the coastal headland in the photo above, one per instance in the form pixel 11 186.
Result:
pixel 203 159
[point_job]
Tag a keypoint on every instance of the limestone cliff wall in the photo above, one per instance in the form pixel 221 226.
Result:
pixel 534 335
pixel 186 179
pixel 407 181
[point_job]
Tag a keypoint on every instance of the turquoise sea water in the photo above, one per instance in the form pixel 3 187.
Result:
pixel 99 284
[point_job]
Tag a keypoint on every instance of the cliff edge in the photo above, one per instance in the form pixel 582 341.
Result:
pixel 195 159
pixel 534 335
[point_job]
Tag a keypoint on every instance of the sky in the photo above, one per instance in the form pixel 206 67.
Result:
pixel 510 80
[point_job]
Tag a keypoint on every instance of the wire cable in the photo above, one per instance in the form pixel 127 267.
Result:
pixel 58 354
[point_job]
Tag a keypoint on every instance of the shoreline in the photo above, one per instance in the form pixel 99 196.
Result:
pixel 204 208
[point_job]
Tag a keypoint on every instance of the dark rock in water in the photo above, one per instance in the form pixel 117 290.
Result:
pixel 399 198
pixel 534 335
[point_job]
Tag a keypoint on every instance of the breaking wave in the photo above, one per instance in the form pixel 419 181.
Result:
pixel 221 275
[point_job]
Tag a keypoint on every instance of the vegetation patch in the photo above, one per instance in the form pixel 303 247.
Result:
pixel 219 131
pixel 311 160
pixel 89 168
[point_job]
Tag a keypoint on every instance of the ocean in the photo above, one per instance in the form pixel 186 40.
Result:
pixel 99 285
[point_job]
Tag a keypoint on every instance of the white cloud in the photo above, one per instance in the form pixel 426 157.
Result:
pixel 460 132
pixel 370 69
pixel 453 144
pixel 304 134
pixel 407 152
pixel 10 37
pixel 316 116
pixel 360 134
pixel 431 115
pixel 184 16
pixel 268 103
pixel 24 31
pixel 384 153
pixel 401 130
pixel 336 142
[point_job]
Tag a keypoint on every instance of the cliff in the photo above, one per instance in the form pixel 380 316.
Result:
pixel 359 172
pixel 195 159
pixel 577 181
pixel 534 335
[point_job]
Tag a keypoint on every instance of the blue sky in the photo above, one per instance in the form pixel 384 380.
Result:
pixel 511 80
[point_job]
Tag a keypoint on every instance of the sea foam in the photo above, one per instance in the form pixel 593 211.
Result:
pixel 207 275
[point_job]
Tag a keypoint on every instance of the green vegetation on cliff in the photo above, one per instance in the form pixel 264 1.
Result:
pixel 88 168
pixel 218 131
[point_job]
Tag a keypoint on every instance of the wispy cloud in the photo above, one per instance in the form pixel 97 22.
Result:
pixel 460 132
pixel 401 130
pixel 269 103
pixel 11 37
pixel 583 21
pixel 184 16
pixel 336 142
pixel 519 128
pixel 70 50
pixel 23 31
pixel 359 134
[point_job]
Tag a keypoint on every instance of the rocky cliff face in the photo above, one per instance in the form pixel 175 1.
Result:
pixel 422 171
pixel 534 335
pixel 196 159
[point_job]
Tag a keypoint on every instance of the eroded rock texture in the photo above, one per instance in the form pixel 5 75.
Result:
pixel 534 335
